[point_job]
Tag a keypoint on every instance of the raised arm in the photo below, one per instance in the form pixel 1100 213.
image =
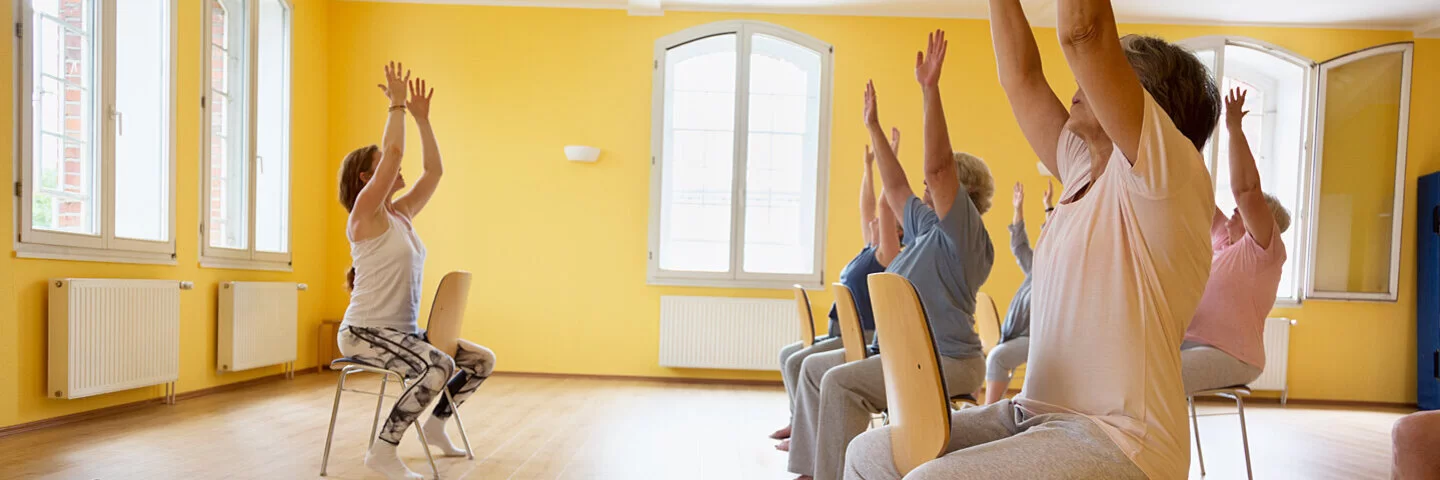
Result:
pixel 377 189
pixel 1112 89
pixel 939 157
pixel 1244 177
pixel 414 201
pixel 1039 112
pixel 1019 240
pixel 887 237
pixel 895 187
pixel 867 189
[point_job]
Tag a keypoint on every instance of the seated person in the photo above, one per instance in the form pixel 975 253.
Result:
pixel 882 243
pixel 1225 344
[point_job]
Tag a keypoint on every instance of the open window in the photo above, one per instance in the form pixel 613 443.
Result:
pixel 1329 141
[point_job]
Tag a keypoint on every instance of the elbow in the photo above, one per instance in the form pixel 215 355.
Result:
pixel 1079 31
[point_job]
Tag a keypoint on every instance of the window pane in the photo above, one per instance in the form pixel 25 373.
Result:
pixel 1362 102
pixel 63 125
pixel 1275 129
pixel 780 169
pixel 699 138
pixel 272 139
pixel 229 211
pixel 142 161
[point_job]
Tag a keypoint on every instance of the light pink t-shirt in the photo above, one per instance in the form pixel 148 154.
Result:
pixel 1118 274
pixel 1241 292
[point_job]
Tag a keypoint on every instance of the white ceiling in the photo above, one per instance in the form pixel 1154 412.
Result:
pixel 1421 16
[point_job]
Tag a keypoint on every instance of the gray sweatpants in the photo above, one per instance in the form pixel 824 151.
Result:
pixel 1001 441
pixel 1005 358
pixel 835 403
pixel 1205 367
pixel 791 357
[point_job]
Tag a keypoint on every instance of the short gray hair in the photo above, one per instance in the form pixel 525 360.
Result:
pixel 1282 216
pixel 975 176
pixel 1178 82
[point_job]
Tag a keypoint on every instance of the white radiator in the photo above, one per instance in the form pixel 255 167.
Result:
pixel 112 335
pixel 1277 356
pixel 258 323
pixel 728 333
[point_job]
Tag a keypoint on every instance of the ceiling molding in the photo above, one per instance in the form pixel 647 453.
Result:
pixel 1429 29
pixel 646 8
pixel 1042 17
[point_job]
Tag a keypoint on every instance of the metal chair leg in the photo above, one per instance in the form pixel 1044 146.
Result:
pixel 379 401
pixel 1244 436
pixel 424 444
pixel 455 411
pixel 334 410
pixel 1195 421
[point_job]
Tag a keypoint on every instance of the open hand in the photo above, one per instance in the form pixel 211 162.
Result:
pixel 929 62
pixel 394 86
pixel 872 115
pixel 419 103
pixel 1235 108
pixel 895 141
pixel 1018 199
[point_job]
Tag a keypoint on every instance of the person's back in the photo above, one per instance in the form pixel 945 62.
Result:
pixel 388 269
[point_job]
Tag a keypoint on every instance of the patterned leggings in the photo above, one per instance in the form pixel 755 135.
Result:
pixel 427 367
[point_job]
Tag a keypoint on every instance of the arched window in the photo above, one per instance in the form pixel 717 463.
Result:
pixel 1329 141
pixel 740 139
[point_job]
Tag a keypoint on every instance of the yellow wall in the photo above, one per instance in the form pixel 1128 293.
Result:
pixel 22 281
pixel 559 248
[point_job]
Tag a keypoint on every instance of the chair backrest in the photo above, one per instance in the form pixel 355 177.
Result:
pixel 807 319
pixel 919 408
pixel 987 322
pixel 447 314
pixel 852 336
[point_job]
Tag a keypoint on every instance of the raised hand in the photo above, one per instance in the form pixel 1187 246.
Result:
pixel 1235 108
pixel 1018 199
pixel 929 62
pixel 895 141
pixel 872 114
pixel 869 157
pixel 419 103
pixel 394 86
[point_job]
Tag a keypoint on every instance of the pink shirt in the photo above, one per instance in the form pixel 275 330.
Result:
pixel 1118 274
pixel 1241 292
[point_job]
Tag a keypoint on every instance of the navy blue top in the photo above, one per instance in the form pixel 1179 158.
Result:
pixel 855 276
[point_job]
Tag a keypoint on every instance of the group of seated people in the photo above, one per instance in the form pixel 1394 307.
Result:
pixel 1139 291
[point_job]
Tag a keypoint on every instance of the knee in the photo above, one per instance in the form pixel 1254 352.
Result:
pixel 868 456
pixel 475 359
pixel 1417 433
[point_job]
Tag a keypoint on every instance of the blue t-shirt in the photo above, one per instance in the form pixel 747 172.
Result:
pixel 855 276
pixel 947 260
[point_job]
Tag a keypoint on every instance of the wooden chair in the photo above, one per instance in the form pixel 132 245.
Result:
pixel 806 316
pixel 852 334
pixel 1236 393
pixel 987 322
pixel 447 315
pixel 919 412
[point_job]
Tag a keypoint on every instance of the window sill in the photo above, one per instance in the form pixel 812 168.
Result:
pixel 722 283
pixel 234 264
pixel 81 254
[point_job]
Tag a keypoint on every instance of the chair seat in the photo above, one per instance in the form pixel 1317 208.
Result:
pixel 352 361
pixel 1230 390
pixel 963 398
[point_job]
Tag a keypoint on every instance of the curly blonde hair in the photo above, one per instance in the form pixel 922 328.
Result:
pixel 1282 216
pixel 975 176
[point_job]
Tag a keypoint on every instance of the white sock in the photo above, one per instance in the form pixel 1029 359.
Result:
pixel 435 434
pixel 382 458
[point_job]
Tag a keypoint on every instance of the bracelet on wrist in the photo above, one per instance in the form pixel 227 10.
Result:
pixel 397 107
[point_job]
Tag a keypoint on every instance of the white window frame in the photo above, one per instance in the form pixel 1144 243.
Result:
pixel 104 246
pixel 1397 213
pixel 247 258
pixel 1306 219
pixel 736 277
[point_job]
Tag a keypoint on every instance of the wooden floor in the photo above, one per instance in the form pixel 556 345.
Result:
pixel 575 428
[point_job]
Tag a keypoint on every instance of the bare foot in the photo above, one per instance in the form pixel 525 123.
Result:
pixel 781 434
pixel 783 446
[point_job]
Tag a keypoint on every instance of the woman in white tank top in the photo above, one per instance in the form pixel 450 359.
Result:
pixel 381 325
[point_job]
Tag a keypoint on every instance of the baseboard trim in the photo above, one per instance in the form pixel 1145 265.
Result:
pixel 132 406
pixel 679 380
